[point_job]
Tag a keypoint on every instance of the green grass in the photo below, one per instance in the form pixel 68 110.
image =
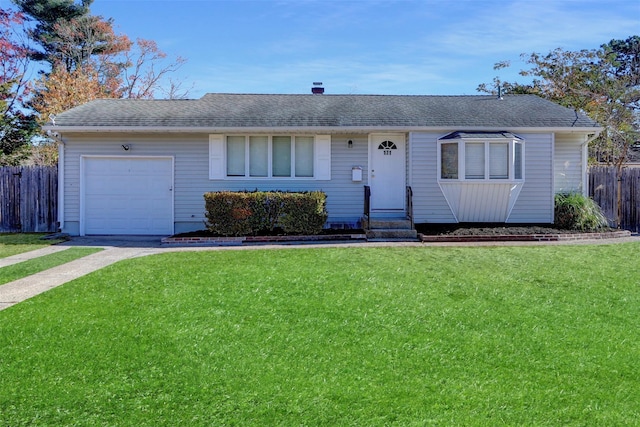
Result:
pixel 36 265
pixel 536 336
pixel 17 243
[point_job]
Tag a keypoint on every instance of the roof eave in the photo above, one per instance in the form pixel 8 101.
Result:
pixel 312 129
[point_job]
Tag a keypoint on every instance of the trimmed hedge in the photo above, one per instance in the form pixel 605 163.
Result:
pixel 231 213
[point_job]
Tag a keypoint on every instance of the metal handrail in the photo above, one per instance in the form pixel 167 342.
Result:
pixel 410 205
pixel 367 204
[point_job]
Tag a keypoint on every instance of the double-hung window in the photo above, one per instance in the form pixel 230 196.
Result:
pixel 270 156
pixel 481 156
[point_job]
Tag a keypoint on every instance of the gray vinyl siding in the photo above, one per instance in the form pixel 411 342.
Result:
pixel 568 163
pixel 191 175
pixel 429 204
pixel 535 203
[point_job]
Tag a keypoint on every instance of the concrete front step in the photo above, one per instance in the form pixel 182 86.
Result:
pixel 392 234
pixel 389 229
pixel 389 224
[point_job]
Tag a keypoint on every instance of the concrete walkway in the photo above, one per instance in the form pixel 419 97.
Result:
pixel 19 290
pixel 15 259
pixel 121 248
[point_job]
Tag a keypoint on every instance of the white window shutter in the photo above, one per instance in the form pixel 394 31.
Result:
pixel 216 157
pixel 323 158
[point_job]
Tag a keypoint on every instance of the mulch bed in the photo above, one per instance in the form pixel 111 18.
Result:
pixel 205 237
pixel 489 229
pixel 511 232
pixel 276 232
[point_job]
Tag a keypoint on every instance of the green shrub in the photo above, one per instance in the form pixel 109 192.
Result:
pixel 303 213
pixel 574 211
pixel 250 213
pixel 228 213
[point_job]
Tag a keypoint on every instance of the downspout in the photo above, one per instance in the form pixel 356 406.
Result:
pixel 57 138
pixel 61 185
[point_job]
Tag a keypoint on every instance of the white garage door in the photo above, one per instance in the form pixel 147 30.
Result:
pixel 128 195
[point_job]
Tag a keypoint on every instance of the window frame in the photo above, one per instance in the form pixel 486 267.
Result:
pixel 270 157
pixel 461 173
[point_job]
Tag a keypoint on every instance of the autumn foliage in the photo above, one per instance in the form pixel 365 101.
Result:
pixel 93 62
pixel 17 125
pixel 55 55
pixel 62 90
pixel 87 60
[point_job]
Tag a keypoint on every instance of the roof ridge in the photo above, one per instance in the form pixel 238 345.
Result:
pixel 363 94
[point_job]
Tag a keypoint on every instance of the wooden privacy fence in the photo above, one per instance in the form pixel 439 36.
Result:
pixel 28 198
pixel 614 191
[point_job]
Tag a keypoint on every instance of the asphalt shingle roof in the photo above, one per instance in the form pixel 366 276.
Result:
pixel 250 111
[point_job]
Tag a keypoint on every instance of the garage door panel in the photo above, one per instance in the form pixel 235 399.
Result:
pixel 157 186
pixel 128 196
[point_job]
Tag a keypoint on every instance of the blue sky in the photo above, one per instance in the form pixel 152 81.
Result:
pixel 363 47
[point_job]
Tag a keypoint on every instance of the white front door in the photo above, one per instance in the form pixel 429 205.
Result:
pixel 387 168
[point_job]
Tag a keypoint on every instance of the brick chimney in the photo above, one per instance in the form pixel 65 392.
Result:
pixel 317 88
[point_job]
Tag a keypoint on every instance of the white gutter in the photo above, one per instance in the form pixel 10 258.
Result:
pixel 310 129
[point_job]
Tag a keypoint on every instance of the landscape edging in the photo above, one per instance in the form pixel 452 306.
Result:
pixel 233 241
pixel 238 241
pixel 524 237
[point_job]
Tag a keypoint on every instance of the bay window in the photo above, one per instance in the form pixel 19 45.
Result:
pixel 474 160
pixel 499 160
pixel 449 160
pixel 481 156
pixel 517 161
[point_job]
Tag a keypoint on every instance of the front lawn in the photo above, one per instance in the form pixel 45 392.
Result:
pixel 17 243
pixel 333 337
pixel 45 262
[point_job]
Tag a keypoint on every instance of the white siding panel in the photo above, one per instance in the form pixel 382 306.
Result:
pixel 481 201
pixel 568 163
pixel 429 203
pixel 535 202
